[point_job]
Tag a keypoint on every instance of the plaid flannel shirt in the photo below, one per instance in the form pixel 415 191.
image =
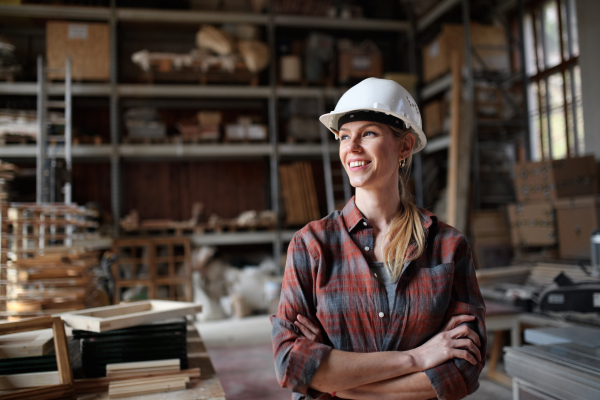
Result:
pixel 327 279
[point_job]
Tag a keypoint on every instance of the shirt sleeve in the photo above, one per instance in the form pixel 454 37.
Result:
pixel 296 358
pixel 457 378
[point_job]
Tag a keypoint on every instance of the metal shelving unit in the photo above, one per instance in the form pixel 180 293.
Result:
pixel 444 83
pixel 115 152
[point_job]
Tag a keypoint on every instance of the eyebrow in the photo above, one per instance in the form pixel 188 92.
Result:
pixel 362 127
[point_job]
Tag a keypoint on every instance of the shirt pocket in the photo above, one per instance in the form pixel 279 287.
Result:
pixel 430 291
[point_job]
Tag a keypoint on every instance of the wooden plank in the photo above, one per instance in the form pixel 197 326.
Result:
pixel 175 362
pixel 26 344
pixel 143 387
pixel 35 379
pixel 62 352
pixel 127 315
pixel 92 385
pixel 453 151
pixel 151 380
pixel 32 324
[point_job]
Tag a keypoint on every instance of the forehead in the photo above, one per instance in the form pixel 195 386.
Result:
pixel 358 125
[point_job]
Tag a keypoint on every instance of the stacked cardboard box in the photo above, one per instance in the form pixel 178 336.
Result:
pixel 488 41
pixel 548 191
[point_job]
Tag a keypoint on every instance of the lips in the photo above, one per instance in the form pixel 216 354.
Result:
pixel 356 165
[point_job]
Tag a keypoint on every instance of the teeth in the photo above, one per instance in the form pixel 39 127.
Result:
pixel 358 163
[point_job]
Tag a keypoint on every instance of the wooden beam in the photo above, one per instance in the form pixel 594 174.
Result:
pixel 453 151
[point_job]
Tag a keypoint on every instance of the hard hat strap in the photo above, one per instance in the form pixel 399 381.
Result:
pixel 373 116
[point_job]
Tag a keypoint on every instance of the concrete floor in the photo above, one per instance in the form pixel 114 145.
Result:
pixel 241 352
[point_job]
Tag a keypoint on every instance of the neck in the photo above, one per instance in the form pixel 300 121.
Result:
pixel 379 206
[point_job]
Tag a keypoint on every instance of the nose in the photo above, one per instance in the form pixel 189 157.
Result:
pixel 354 144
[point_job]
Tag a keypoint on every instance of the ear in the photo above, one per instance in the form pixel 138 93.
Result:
pixel 408 143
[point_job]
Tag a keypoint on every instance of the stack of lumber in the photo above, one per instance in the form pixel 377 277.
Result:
pixel 30 226
pixel 7 174
pixel 299 193
pixel 165 376
pixel 40 270
pixel 160 267
pixel 51 283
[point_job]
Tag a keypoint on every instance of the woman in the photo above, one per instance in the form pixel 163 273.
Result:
pixel 379 300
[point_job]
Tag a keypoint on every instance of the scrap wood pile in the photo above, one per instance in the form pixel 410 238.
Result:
pixel 51 283
pixel 248 220
pixel 125 350
pixel 220 56
pixel 40 270
pixel 299 193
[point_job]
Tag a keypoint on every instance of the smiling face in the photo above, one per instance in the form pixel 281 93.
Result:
pixel 370 152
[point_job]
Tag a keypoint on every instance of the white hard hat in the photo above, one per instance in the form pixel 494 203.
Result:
pixel 387 98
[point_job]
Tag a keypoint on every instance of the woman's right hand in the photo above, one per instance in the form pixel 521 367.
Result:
pixel 452 342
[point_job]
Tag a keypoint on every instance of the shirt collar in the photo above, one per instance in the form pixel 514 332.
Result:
pixel 352 216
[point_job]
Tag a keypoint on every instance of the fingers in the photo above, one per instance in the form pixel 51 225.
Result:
pixel 465 331
pixel 305 331
pixel 307 323
pixel 465 355
pixel 468 344
pixel 459 319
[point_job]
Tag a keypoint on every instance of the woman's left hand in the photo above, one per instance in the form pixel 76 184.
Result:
pixel 308 329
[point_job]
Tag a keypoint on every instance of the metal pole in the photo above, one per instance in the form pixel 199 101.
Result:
pixel 273 140
pixel 41 139
pixel 525 82
pixel 326 158
pixel 68 131
pixel 115 162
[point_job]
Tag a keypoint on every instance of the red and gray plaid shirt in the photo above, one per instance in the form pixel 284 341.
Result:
pixel 327 279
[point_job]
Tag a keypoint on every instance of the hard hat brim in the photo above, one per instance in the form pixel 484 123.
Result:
pixel 330 120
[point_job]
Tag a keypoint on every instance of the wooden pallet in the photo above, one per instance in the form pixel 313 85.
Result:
pixel 155 264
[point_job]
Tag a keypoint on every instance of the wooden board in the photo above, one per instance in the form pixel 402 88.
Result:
pixel 175 362
pixel 103 319
pixel 27 344
pixel 22 381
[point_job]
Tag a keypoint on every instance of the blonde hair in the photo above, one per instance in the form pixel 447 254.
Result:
pixel 406 225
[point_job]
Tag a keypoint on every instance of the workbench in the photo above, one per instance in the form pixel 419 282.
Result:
pixel 208 388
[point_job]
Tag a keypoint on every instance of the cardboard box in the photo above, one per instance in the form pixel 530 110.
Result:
pixel 433 118
pixel 360 64
pixel 532 224
pixel 491 239
pixel 86 43
pixel 555 179
pixel 576 218
pixel 489 42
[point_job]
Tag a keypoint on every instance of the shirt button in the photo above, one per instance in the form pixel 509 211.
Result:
pixel 381 315
pixel 375 274
pixel 364 223
pixel 367 248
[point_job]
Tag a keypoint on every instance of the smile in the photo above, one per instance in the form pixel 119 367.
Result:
pixel 356 165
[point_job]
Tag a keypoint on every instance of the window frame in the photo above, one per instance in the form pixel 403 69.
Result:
pixel 541 77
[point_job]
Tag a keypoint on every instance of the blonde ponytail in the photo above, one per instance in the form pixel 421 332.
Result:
pixel 406 226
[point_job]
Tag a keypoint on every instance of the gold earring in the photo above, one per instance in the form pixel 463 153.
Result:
pixel 402 163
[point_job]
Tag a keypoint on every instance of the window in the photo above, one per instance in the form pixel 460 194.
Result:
pixel 554 91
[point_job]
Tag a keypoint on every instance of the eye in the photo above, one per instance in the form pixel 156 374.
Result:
pixel 344 137
pixel 370 133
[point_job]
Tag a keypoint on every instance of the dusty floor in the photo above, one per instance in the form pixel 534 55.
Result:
pixel 242 355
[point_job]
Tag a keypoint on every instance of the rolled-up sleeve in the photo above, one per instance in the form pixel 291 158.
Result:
pixel 457 378
pixel 296 358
